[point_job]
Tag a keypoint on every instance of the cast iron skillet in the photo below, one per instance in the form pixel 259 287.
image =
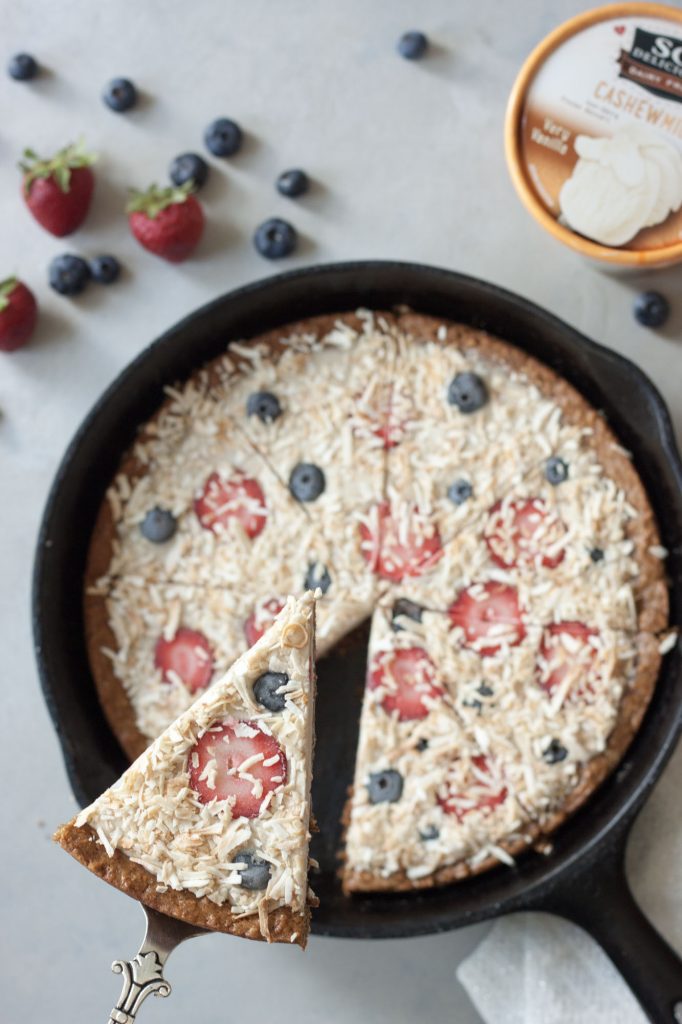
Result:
pixel 583 878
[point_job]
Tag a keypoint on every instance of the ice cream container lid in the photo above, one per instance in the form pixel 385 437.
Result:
pixel 593 134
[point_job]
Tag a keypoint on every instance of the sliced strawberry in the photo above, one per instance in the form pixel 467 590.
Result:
pixel 386 414
pixel 18 314
pixel 566 650
pixel 229 746
pixel 488 612
pixel 524 532
pixel 408 676
pixel 188 656
pixel 240 497
pixel 484 790
pixel 261 618
pixel 399 543
pixel 58 190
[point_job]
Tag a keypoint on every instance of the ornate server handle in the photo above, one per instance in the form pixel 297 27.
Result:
pixel 143 975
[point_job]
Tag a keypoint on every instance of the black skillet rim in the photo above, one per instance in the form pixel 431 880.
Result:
pixel 502 889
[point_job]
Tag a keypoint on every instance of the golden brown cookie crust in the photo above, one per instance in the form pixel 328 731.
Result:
pixel 135 881
pixel 113 698
pixel 650 588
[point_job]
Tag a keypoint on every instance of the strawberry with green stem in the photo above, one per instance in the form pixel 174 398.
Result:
pixel 58 190
pixel 18 314
pixel 167 221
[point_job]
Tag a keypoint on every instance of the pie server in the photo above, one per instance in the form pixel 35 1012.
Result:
pixel 583 878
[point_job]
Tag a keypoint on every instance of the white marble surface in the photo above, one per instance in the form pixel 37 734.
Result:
pixel 408 163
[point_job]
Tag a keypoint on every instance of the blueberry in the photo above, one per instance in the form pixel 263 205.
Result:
pixel 293 183
pixel 460 491
pixel 189 167
pixel 410 609
pixel 556 470
pixel 265 690
pixel 597 555
pixel 422 745
pixel 68 274
pixel 120 95
pixel 264 405
pixel 651 309
pixel 105 269
pixel 256 874
pixel 306 482
pixel 223 137
pixel 412 45
pixel 385 787
pixel 275 238
pixel 473 703
pixel 468 392
pixel 317 576
pixel 22 67
pixel 158 525
pixel 430 832
pixel 554 753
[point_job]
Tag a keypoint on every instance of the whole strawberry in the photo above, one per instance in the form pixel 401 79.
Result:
pixel 167 221
pixel 18 314
pixel 58 190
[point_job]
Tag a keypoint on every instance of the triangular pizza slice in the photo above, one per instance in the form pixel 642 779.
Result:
pixel 211 823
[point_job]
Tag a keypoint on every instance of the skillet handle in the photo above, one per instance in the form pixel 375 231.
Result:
pixel 598 899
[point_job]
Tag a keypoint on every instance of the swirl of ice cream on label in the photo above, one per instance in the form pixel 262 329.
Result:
pixel 621 184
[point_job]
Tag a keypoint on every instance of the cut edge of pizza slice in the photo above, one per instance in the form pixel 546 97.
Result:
pixel 211 823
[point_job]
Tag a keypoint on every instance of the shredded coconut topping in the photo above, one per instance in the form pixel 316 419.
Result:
pixel 517 710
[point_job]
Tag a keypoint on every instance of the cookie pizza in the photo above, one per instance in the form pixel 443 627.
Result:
pixel 211 823
pixel 445 484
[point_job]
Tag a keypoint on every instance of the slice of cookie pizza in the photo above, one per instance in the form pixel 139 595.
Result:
pixel 192 502
pixel 314 398
pixel 211 823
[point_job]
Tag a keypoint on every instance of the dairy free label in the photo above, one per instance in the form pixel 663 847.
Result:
pixel 654 63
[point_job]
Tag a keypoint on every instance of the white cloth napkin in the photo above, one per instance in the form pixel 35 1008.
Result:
pixel 539 969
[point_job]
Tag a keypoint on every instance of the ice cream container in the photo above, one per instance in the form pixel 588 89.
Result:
pixel 593 134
